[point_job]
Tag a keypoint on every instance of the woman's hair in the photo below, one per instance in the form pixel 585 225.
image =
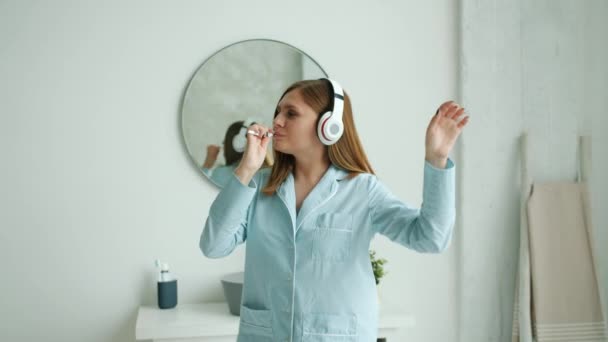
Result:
pixel 230 154
pixel 347 153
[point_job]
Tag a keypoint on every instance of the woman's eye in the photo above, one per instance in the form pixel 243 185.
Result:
pixel 289 114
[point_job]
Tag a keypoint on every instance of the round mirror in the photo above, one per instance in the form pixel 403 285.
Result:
pixel 239 84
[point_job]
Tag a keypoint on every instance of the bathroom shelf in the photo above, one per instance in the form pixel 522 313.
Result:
pixel 212 322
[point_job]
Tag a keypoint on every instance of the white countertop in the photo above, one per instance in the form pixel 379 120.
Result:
pixel 214 319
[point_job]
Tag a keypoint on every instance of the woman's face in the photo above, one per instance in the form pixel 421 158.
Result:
pixel 294 126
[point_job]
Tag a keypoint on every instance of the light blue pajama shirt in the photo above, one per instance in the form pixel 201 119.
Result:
pixel 308 276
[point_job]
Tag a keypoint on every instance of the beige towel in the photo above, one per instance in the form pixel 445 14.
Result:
pixel 522 320
pixel 564 303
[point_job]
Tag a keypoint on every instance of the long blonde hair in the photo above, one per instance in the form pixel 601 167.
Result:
pixel 347 153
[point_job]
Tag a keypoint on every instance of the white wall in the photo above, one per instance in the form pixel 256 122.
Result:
pixel 537 66
pixel 96 181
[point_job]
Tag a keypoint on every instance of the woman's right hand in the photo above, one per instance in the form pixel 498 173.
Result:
pixel 255 153
pixel 211 157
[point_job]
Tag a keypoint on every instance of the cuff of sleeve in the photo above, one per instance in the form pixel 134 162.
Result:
pixel 449 165
pixel 439 187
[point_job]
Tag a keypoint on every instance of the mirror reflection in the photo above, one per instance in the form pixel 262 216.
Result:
pixel 235 87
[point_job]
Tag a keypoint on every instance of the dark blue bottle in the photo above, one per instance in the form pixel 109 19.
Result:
pixel 166 287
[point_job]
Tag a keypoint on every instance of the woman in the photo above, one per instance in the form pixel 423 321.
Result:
pixel 308 221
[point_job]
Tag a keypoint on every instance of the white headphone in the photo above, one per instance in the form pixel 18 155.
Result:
pixel 330 127
pixel 239 141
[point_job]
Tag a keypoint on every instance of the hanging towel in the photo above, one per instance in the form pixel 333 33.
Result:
pixel 522 320
pixel 564 300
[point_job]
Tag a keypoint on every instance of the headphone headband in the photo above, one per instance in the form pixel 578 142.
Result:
pixel 338 100
pixel 248 122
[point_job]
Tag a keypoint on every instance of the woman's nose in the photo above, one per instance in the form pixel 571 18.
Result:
pixel 277 121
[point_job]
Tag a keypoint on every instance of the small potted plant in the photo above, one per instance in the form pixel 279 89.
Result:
pixel 377 266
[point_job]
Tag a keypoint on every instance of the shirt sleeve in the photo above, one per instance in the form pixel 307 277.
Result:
pixel 427 229
pixel 226 224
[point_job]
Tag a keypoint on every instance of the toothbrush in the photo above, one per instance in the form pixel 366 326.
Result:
pixel 268 134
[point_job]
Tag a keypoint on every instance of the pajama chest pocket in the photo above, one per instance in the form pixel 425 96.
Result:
pixel 327 327
pixel 333 234
pixel 255 325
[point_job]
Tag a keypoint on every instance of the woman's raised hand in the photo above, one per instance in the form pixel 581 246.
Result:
pixel 255 153
pixel 442 132
pixel 211 156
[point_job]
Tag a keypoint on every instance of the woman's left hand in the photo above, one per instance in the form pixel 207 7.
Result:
pixel 442 132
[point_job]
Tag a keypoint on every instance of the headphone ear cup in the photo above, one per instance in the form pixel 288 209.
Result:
pixel 329 129
pixel 320 128
pixel 239 141
pixel 336 128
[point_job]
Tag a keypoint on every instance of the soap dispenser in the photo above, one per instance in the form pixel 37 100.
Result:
pixel 166 287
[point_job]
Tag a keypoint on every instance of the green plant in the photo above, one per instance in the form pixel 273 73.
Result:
pixel 377 264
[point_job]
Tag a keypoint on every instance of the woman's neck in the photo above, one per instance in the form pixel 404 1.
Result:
pixel 311 170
